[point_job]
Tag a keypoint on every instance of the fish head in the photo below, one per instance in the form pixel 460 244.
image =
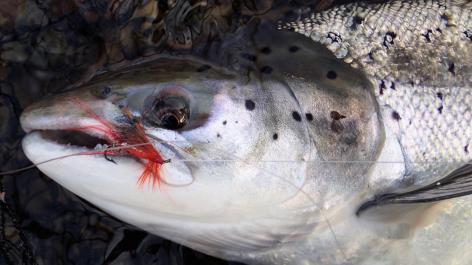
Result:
pixel 228 153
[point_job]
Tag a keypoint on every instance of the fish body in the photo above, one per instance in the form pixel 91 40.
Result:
pixel 415 53
pixel 286 155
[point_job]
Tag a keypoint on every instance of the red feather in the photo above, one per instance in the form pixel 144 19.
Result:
pixel 126 137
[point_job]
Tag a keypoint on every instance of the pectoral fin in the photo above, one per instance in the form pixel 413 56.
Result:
pixel 457 183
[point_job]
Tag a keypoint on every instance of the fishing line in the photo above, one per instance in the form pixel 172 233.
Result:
pixel 318 162
pixel 94 152
pixel 102 152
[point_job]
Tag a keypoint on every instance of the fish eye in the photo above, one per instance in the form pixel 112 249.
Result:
pixel 170 112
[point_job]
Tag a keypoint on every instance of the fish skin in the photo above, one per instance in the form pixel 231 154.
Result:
pixel 425 42
pixel 422 84
pixel 418 55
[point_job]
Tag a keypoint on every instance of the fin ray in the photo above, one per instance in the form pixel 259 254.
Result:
pixel 457 183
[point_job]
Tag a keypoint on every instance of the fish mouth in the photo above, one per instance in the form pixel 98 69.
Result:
pixel 73 138
pixel 62 122
pixel 51 135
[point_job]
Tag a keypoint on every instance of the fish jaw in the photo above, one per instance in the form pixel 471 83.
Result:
pixel 98 180
pixel 112 187
pixel 67 115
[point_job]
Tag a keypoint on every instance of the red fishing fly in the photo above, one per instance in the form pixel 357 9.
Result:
pixel 131 140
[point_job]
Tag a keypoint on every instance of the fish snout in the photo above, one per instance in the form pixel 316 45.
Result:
pixel 73 111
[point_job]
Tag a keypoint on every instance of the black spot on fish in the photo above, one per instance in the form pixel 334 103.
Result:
pixel 356 21
pixel 382 87
pixel 334 37
pixel 392 86
pixel 427 35
pixel 275 136
pixel 266 69
pixel 396 116
pixel 218 135
pixel 445 20
pixel 389 39
pixel 440 109
pixel 452 68
pixel 309 116
pixel 234 87
pixel 336 115
pixel 331 75
pixel 266 50
pixel 293 49
pixel 225 122
pixel 371 56
pixel 440 95
pixel 296 116
pixel 466 149
pixel 203 68
pixel 290 28
pixel 250 105
pixel 336 125
pixel 248 56
pixel 468 34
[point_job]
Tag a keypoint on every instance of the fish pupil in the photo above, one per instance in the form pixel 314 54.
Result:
pixel 169 112
pixel 173 120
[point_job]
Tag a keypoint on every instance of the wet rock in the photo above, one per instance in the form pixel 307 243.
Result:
pixel 14 52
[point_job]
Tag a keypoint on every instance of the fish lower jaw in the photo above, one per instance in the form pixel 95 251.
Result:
pixel 45 145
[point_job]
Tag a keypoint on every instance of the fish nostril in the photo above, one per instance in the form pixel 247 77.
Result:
pixel 102 92
pixel 106 90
